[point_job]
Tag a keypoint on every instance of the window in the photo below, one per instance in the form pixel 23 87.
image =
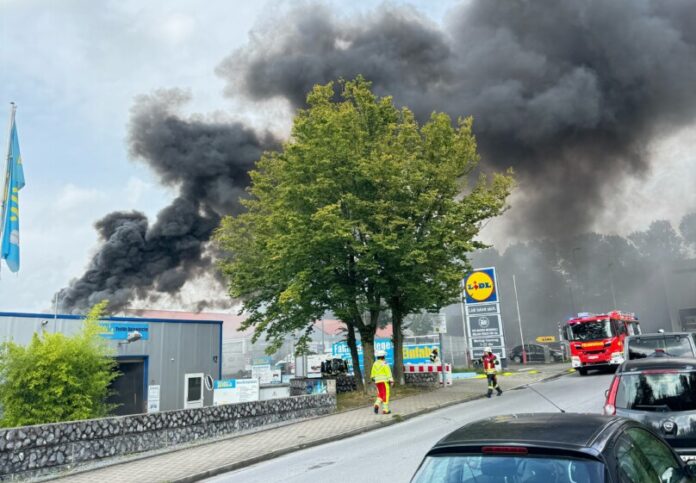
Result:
pixel 643 457
pixel 668 345
pixel 620 327
pixel 194 389
pixel 664 391
pixel 599 329
pixel 502 469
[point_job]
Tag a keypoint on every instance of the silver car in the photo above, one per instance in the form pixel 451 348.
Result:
pixel 659 392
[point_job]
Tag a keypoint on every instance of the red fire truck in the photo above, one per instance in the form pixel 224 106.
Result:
pixel 597 340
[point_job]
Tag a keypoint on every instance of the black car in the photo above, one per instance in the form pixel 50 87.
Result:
pixel 661 344
pixel 660 393
pixel 553 448
pixel 535 353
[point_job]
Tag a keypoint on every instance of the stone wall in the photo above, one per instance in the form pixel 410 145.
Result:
pixel 34 450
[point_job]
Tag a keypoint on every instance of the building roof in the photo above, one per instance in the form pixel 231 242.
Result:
pixel 538 429
pixel 232 322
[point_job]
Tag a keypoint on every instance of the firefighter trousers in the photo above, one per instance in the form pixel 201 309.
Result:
pixel 382 395
pixel 493 384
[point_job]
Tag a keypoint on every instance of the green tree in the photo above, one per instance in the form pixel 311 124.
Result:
pixel 57 378
pixel 359 212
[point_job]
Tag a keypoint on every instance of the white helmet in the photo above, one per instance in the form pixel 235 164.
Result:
pixel 380 354
pixel 487 350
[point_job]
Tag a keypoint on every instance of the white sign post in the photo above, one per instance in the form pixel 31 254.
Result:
pixel 483 319
pixel 153 399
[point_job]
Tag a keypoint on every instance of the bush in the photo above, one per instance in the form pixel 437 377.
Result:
pixel 57 378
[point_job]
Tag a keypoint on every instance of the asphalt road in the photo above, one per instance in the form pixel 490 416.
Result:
pixel 398 449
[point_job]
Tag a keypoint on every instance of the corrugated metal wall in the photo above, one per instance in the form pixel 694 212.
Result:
pixel 174 348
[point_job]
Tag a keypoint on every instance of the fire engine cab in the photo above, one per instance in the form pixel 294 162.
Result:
pixel 597 340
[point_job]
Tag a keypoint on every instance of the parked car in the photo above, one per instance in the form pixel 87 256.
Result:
pixel 535 353
pixel 672 344
pixel 553 448
pixel 660 393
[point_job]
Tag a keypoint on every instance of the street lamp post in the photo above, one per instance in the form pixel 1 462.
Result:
pixel 519 320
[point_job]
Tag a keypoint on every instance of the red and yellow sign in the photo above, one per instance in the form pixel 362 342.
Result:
pixel 479 286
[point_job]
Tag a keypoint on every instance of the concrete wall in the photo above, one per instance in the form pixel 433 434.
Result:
pixel 173 348
pixel 35 450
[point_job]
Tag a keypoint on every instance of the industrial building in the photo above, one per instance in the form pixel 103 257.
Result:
pixel 164 363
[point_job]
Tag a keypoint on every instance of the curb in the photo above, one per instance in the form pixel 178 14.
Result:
pixel 348 434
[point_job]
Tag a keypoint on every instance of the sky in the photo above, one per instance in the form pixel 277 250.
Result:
pixel 75 68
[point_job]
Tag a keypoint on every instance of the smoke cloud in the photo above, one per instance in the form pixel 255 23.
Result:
pixel 568 93
pixel 208 163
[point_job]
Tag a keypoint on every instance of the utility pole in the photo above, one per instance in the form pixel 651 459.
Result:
pixel 464 326
pixel 519 321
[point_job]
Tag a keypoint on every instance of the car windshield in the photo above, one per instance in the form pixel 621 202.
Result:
pixel 479 468
pixel 599 329
pixel 663 391
pixel 668 345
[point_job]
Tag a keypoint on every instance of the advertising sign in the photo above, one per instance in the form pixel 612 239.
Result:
pixel 314 365
pixel 483 320
pixel 120 330
pixel 262 372
pixel 482 326
pixel 480 286
pixel 482 309
pixel 230 391
pixel 413 353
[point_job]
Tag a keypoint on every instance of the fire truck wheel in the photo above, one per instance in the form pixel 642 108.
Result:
pixel 582 371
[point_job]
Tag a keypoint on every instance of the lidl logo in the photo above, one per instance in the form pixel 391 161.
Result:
pixel 479 286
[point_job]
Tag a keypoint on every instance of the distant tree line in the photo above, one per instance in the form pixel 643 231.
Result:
pixel 591 273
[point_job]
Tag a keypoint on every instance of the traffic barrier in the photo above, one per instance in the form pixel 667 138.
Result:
pixel 425 368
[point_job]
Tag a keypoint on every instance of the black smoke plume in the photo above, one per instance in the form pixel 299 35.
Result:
pixel 569 93
pixel 208 163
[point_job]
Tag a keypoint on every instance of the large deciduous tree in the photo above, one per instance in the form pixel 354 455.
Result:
pixel 363 209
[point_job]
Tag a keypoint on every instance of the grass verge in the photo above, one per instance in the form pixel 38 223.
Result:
pixel 357 399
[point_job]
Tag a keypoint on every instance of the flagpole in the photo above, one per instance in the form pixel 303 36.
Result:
pixel 7 173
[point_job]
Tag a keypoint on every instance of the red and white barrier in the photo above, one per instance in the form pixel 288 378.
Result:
pixel 425 368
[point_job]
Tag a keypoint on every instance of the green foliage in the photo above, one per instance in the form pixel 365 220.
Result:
pixel 57 378
pixel 360 208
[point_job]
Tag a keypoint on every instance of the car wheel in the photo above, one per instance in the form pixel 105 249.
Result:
pixel 582 371
pixel 517 359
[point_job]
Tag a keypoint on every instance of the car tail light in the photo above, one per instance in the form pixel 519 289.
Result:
pixel 610 405
pixel 504 450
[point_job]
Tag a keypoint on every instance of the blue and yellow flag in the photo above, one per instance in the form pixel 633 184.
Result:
pixel 14 181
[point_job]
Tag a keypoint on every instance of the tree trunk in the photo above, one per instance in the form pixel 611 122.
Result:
pixel 367 338
pixel 398 341
pixel 353 346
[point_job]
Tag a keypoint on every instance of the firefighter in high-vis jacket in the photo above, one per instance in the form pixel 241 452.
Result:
pixel 488 360
pixel 381 375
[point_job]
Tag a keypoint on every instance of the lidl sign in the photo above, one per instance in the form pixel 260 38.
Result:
pixel 480 286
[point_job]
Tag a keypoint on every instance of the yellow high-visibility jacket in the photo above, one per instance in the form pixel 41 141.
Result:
pixel 381 372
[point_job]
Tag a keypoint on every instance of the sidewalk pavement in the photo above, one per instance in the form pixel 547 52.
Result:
pixel 192 463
